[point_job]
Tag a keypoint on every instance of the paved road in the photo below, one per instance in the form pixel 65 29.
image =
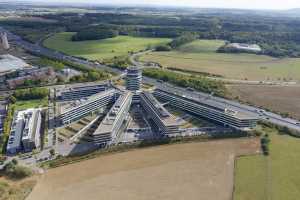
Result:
pixel 40 50
pixel 235 81
pixel 262 114
pixel 134 58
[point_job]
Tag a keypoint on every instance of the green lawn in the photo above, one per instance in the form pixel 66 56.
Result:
pixel 101 49
pixel 275 177
pixel 22 105
pixel 251 178
pixel 200 56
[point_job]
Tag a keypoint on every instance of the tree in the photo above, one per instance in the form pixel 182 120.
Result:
pixel 12 99
pixel 265 141
pixel 14 161
pixel 183 39
pixel 32 93
pixel 52 152
pixel 94 33
pixel 163 48
pixel 15 171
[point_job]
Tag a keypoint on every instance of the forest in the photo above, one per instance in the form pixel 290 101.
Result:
pixel 277 35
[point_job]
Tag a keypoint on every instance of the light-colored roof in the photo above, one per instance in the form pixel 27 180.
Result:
pixel 108 122
pixel 166 117
pixel 210 103
pixel 10 63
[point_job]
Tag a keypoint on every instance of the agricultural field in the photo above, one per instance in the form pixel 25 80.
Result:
pixel 101 49
pixel 195 171
pixel 283 99
pixel 275 177
pixel 254 170
pixel 201 56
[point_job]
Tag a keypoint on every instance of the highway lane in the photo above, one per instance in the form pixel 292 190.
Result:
pixel 40 50
pixel 260 113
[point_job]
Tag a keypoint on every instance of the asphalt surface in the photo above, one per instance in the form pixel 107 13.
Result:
pixel 42 51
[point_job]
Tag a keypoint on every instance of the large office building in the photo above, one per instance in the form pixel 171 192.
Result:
pixel 108 130
pixel 91 105
pixel 133 79
pixel 208 109
pixel 31 133
pixel 80 92
pixel 25 131
pixel 162 121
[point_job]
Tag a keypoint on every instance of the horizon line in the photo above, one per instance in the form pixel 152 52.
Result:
pixel 75 4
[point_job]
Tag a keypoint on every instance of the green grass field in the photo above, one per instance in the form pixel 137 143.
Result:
pixel 200 56
pixel 22 105
pixel 275 177
pixel 101 49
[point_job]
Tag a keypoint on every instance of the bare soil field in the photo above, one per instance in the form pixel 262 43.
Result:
pixel 284 99
pixel 193 171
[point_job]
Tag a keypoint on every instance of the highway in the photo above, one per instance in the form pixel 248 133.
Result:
pixel 42 51
pixel 264 115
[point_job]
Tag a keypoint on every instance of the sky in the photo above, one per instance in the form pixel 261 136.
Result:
pixel 246 4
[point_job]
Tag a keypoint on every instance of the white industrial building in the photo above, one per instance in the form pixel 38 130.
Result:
pixel 10 63
pixel 25 131
pixel 245 47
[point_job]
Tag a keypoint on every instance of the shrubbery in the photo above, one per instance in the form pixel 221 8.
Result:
pixel 265 141
pixel 200 83
pixel 45 62
pixel 163 48
pixel 31 93
pixel 184 39
pixel 15 171
pixel 282 129
pixel 120 62
pixel 92 75
pixel 60 161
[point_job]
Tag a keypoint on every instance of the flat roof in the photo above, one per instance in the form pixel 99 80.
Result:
pixel 166 117
pixel 79 103
pixel 31 117
pixel 207 102
pixel 108 122
pixel 81 88
pixel 11 63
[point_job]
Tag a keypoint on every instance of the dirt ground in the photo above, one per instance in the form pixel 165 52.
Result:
pixel 194 171
pixel 283 99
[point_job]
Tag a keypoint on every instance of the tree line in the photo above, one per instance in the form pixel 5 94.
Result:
pixel 30 93
pixel 278 36
pixel 200 83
